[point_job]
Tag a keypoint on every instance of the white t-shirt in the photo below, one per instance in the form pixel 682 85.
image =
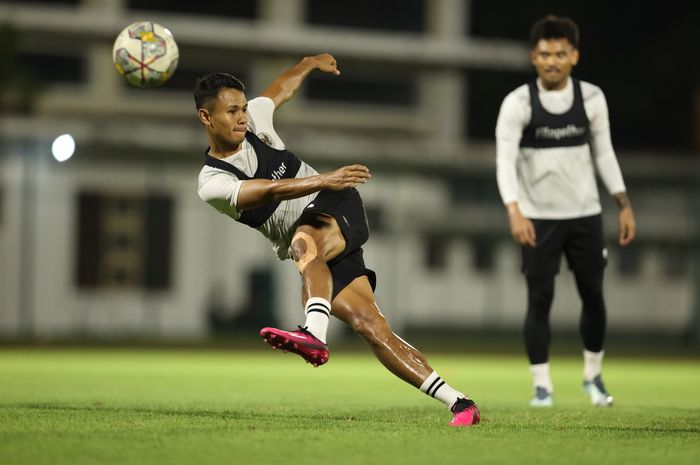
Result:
pixel 220 188
pixel 558 182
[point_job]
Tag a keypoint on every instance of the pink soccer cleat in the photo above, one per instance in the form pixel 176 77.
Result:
pixel 300 342
pixel 465 413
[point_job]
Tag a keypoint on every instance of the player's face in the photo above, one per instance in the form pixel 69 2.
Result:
pixel 228 118
pixel 554 59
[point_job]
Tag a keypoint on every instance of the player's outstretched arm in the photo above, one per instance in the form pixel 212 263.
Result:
pixel 287 83
pixel 257 192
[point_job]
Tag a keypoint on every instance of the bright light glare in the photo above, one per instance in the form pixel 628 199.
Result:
pixel 63 147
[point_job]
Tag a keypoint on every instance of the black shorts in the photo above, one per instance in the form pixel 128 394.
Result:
pixel 579 239
pixel 348 211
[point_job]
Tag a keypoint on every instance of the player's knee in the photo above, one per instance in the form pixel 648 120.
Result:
pixel 304 249
pixel 541 298
pixel 593 303
pixel 371 326
pixel 592 291
pixel 540 294
pixel 590 288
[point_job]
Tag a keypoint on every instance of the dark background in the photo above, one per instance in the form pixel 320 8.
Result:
pixel 645 56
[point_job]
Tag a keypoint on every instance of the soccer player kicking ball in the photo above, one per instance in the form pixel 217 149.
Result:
pixel 549 135
pixel 318 220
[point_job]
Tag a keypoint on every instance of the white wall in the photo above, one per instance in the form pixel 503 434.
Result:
pixel 213 255
pixel 11 245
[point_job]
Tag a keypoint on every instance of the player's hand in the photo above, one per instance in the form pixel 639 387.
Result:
pixel 628 227
pixel 346 177
pixel 324 62
pixel 521 228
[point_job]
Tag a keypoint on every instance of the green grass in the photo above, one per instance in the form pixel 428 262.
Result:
pixel 235 407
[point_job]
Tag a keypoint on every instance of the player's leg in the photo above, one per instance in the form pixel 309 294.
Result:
pixel 317 240
pixel 593 316
pixel 356 306
pixel 592 327
pixel 586 254
pixel 537 334
pixel 540 266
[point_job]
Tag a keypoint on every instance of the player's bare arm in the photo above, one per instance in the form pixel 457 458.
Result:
pixel 628 226
pixel 521 228
pixel 287 83
pixel 257 192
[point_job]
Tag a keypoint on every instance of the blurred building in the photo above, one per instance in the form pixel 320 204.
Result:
pixel 115 242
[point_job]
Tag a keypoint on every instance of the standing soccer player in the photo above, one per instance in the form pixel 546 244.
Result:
pixel 318 220
pixel 550 133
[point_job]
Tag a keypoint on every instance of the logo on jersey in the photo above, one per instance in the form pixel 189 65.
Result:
pixel 266 139
pixel 279 172
pixel 545 132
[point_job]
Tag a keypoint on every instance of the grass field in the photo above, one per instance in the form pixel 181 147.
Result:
pixel 121 406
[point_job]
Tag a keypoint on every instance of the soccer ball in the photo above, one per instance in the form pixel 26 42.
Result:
pixel 146 54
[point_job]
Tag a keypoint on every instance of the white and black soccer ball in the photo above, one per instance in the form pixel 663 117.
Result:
pixel 146 54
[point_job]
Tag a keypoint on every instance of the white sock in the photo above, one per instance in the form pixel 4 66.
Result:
pixel 592 364
pixel 540 376
pixel 318 311
pixel 435 387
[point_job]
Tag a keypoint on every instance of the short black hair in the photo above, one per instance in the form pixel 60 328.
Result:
pixel 208 87
pixel 554 27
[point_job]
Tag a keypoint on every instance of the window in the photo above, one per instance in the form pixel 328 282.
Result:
pixel 184 79
pixel 375 218
pixel 486 91
pixel 628 261
pixel 256 311
pixel 54 68
pixel 436 252
pixel 484 254
pixel 246 9
pixel 391 15
pixel 475 187
pixel 44 2
pixel 354 88
pixel 124 241
pixel 676 259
